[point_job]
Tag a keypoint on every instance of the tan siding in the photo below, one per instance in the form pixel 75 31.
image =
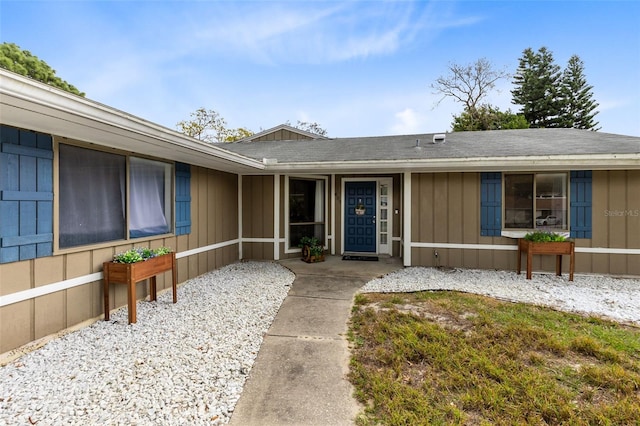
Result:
pixel 257 202
pixel 470 210
pixel 422 217
pixel 214 209
pixel 633 220
pixel 617 224
pixel 78 310
pixel 15 277
pixel 16 325
pixel 600 237
pixel 455 223
pixel 437 199
pixel 614 191
pixel 448 211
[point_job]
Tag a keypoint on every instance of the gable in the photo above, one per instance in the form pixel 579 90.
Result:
pixel 283 132
pixel 283 135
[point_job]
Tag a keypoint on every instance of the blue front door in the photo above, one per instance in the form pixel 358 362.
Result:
pixel 360 217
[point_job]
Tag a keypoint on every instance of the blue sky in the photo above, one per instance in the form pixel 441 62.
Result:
pixel 358 68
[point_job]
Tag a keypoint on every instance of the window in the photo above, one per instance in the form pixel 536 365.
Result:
pixel 535 201
pixel 150 185
pixel 93 197
pixel 306 210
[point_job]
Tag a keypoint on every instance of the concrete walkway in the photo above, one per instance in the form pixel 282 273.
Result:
pixel 299 377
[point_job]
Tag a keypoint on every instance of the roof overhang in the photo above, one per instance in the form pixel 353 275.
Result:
pixel 472 164
pixel 29 104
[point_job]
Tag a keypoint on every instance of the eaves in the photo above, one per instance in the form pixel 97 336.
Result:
pixel 472 164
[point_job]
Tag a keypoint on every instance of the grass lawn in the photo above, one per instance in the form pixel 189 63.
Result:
pixel 432 358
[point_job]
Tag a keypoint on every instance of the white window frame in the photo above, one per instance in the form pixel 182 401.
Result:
pixel 567 226
pixel 169 201
pixel 296 249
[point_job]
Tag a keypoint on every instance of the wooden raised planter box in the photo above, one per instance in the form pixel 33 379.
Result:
pixel 557 248
pixel 131 273
pixel 307 257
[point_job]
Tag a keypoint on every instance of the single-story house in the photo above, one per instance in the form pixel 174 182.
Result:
pixel 81 181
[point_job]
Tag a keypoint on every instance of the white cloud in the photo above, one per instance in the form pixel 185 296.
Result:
pixel 320 32
pixel 407 122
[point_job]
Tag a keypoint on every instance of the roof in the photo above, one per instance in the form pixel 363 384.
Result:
pixel 30 104
pixel 481 150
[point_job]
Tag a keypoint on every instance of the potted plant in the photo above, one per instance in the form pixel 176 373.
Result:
pixel 316 253
pixel 312 249
pixel 135 265
pixel 549 243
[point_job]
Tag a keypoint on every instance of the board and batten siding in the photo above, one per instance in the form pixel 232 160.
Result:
pixel 446 208
pixel 616 223
pixel 257 217
pixel 214 220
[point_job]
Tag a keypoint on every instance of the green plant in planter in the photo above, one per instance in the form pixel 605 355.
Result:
pixel 316 250
pixel 544 237
pixel 140 254
pixel 308 242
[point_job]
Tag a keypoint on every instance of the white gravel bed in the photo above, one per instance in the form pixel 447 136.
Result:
pixel 182 364
pixel 615 298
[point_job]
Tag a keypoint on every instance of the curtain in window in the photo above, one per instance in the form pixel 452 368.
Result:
pixel 319 201
pixel 92 196
pixel 149 190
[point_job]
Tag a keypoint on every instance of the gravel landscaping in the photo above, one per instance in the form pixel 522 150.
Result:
pixel 187 363
pixel 605 296
pixel 179 364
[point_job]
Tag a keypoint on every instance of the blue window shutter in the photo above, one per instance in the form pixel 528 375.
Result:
pixel 490 204
pixel 581 202
pixel 26 195
pixel 183 199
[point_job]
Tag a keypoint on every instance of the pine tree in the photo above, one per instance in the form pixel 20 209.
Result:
pixel 579 108
pixel 22 62
pixel 538 88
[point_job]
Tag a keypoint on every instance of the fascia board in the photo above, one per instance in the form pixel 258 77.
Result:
pixel 74 116
pixel 551 163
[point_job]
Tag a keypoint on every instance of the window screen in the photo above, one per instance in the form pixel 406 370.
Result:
pixel 92 196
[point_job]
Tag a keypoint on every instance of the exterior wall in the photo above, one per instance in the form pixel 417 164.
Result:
pixel 616 223
pixel 446 209
pixel 214 220
pixel 258 229
pixel 257 217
